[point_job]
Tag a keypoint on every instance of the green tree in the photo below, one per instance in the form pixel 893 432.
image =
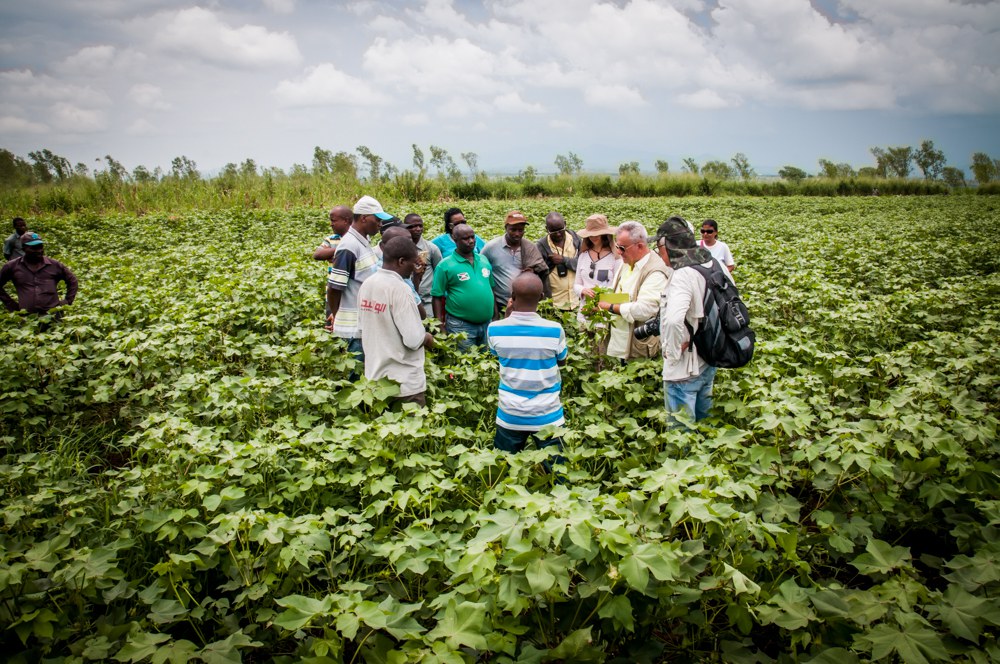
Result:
pixel 14 171
pixel 183 168
pixel 828 169
pixel 345 166
pixel 445 165
pixel 141 174
pixel 116 171
pixel 742 165
pixel 953 177
pixel 719 169
pixel 984 168
pixel 881 162
pixel 569 164
pixel 418 159
pixel 691 166
pixel 793 174
pixel 661 166
pixel 471 160
pixel 248 168
pixel 900 161
pixel 322 161
pixel 628 168
pixel 375 163
pixel 869 172
pixel 930 161
pixel 526 176
pixel 49 166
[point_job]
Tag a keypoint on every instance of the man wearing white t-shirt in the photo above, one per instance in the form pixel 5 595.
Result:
pixel 393 335
pixel 719 249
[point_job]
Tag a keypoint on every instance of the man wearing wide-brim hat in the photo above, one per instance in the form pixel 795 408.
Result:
pixel 35 278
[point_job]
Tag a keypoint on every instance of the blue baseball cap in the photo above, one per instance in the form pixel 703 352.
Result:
pixel 30 239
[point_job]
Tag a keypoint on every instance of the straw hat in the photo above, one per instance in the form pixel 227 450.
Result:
pixel 597 224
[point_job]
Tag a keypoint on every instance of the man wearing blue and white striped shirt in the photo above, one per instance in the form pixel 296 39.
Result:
pixel 531 350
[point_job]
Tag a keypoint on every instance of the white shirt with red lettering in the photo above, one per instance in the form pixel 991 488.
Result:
pixel 391 332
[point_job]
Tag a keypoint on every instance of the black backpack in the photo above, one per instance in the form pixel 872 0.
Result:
pixel 724 338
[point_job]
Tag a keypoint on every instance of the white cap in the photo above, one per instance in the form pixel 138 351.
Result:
pixel 368 205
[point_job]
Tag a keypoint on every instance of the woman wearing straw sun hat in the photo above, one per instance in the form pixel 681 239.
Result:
pixel 599 261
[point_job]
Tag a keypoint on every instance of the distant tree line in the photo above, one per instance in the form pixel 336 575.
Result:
pixel 47 181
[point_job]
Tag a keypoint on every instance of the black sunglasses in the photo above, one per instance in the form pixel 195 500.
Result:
pixel 707 231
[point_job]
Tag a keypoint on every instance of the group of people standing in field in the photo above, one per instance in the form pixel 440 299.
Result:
pixel 489 292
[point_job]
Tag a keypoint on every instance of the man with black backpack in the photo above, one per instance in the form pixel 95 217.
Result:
pixel 703 323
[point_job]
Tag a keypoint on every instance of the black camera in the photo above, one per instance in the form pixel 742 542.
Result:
pixel 561 269
pixel 651 328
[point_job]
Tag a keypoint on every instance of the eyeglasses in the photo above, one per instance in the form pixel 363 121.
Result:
pixel 557 231
pixel 592 267
pixel 622 249
pixel 707 231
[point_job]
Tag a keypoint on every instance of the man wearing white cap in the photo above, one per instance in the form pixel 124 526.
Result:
pixel 353 262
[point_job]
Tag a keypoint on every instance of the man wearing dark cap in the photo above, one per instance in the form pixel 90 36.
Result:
pixel 687 378
pixel 35 277
pixel 12 245
pixel 511 254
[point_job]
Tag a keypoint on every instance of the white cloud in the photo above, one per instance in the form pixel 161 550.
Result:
pixel 147 95
pixel 14 125
pixel 415 119
pixel 612 96
pixel 432 67
pixel 141 127
pixel 89 60
pixel 280 6
pixel 708 100
pixel 325 85
pixel 560 124
pixel 72 119
pixel 28 87
pixel 511 102
pixel 201 34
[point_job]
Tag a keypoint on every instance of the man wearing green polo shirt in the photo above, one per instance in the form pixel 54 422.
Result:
pixel 462 293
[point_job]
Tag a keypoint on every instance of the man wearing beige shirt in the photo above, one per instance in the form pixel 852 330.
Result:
pixel 643 278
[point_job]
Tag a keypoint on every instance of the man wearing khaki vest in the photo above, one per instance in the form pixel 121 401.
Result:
pixel 643 277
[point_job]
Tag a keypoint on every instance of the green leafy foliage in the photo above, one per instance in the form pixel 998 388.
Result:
pixel 189 475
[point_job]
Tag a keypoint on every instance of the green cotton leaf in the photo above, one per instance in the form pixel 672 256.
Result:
pixel 499 524
pixel 741 582
pixel 177 652
pixel 618 609
pixel 463 624
pixel 881 558
pixel 834 656
pixel 140 646
pixel 233 493
pixel 212 502
pixel 830 603
pixel 965 614
pixel 300 610
pixel 914 645
pixel 578 646
pixel 635 573
pixel 662 560
pixel 789 608
pixel 227 651
pixel 547 571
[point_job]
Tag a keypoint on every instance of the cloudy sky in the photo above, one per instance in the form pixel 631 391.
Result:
pixel 515 81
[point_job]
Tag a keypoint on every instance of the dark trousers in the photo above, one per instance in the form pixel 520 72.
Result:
pixel 512 441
